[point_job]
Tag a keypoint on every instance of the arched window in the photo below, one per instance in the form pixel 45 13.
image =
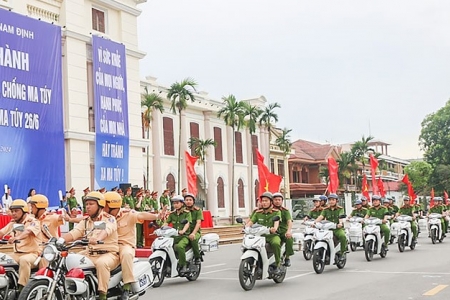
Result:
pixel 241 196
pixel 170 185
pixel 220 193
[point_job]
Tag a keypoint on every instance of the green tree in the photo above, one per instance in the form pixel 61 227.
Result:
pixel 347 167
pixel 360 149
pixel 284 142
pixel 201 150
pixel 440 179
pixel 269 117
pixel 434 137
pixel 419 173
pixel 232 114
pixel 151 102
pixel 179 93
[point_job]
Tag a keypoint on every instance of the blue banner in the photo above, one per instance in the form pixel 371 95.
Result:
pixel 111 113
pixel 31 115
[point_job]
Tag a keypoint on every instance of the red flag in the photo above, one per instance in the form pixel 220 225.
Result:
pixel 365 188
pixel 411 193
pixel 190 173
pixel 381 187
pixel 445 197
pixel 268 182
pixel 333 174
pixel 373 167
pixel 432 198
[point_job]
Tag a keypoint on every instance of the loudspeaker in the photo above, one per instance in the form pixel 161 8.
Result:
pixel 124 186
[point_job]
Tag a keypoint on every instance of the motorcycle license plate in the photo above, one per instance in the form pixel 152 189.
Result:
pixel 143 281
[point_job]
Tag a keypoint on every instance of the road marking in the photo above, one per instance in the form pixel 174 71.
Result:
pixel 300 275
pixel 212 266
pixel 435 290
pixel 216 271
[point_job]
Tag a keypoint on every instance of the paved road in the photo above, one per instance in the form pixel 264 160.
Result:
pixel 409 275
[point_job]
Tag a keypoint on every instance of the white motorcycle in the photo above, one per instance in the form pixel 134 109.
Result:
pixel 373 239
pixel 73 276
pixel 308 239
pixel 164 261
pixel 435 228
pixel 257 259
pixel 405 236
pixel 355 233
pixel 326 251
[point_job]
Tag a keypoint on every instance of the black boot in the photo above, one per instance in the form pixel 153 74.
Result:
pixel 125 295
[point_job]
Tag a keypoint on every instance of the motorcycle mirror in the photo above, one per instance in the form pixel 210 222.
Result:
pixel 18 227
pixel 276 218
pixel 239 220
pixel 184 222
pixel 100 225
pixel 343 216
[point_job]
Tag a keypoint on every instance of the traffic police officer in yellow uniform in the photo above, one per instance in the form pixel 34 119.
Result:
pixel 27 250
pixel 264 216
pixel 126 219
pixel 285 228
pixel 104 256
pixel 332 213
pixel 195 231
pixel 179 214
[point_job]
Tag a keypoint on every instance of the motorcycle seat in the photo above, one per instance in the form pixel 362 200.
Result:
pixel 34 269
pixel 116 270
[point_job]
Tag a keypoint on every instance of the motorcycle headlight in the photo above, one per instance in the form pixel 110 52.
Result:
pixel 50 253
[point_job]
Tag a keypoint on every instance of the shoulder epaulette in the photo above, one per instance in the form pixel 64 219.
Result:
pixel 339 206
pixel 196 208
pixel 275 209
pixel 283 208
pixel 259 210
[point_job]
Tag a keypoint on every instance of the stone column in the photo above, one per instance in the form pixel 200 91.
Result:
pixel 156 147
pixel 211 186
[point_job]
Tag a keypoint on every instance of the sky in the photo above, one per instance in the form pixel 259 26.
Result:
pixel 339 69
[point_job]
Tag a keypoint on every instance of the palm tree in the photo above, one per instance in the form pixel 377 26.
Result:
pixel 361 148
pixel 252 113
pixel 150 102
pixel 284 142
pixel 232 114
pixel 268 117
pixel 179 93
pixel 200 150
pixel 347 166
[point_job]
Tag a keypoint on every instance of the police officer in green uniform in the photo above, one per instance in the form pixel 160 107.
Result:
pixel 285 227
pixel 179 214
pixel 394 207
pixel 408 210
pixel 146 204
pixel 365 203
pixel 264 216
pixel 85 191
pixel 128 200
pixel 318 206
pixel 332 213
pixel 381 212
pixel 139 226
pixel 359 210
pixel 195 231
pixel 164 200
pixel 439 208
pixel 323 201
pixel 72 204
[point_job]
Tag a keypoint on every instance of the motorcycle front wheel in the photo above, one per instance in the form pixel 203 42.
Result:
pixel 280 278
pixel 368 250
pixel 318 263
pixel 307 253
pixel 383 251
pixel 433 236
pixel 37 289
pixel 157 264
pixel 353 246
pixel 247 277
pixel 401 243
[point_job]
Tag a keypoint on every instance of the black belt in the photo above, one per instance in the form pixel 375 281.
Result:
pixel 101 252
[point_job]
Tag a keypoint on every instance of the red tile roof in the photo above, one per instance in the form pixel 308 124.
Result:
pixel 310 151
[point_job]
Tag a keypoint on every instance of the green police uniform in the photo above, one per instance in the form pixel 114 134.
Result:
pixel 315 212
pixel 196 214
pixel 409 211
pixel 282 229
pixel 440 209
pixel 265 217
pixel 379 212
pixel 361 212
pixel 84 204
pixel 163 201
pixel 332 214
pixel 395 208
pixel 130 201
pixel 181 241
pixel 72 203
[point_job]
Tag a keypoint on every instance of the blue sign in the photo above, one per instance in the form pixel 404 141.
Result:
pixel 31 115
pixel 111 113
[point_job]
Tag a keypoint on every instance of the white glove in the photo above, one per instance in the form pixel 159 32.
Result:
pixel 60 241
